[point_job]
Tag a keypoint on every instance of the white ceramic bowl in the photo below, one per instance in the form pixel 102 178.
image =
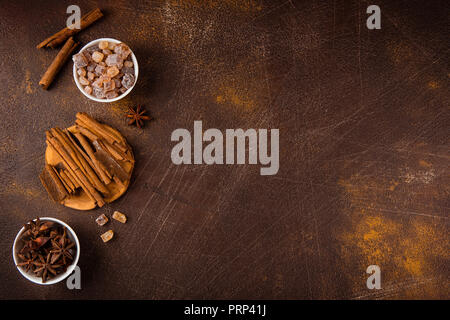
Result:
pixel 136 72
pixel 30 275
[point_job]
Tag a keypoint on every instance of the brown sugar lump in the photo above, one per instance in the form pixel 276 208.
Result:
pixel 80 60
pixel 97 56
pixel 103 45
pixel 107 236
pixel 119 216
pixel 102 220
pixel 112 71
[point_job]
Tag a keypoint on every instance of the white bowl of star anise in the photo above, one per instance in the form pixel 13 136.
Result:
pixel 105 70
pixel 46 250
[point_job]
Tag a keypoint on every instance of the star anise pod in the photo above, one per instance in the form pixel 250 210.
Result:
pixel 28 260
pixel 32 228
pixel 61 248
pixel 45 267
pixel 34 244
pixel 137 116
pixel 46 226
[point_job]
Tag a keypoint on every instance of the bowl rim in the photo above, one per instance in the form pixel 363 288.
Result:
pixel 136 72
pixel 59 277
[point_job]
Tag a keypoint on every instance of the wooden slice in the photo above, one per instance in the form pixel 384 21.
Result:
pixel 80 200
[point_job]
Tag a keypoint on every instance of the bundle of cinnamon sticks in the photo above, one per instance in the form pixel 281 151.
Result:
pixel 69 45
pixel 92 157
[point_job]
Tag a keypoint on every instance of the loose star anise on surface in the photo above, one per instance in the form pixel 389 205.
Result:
pixel 137 116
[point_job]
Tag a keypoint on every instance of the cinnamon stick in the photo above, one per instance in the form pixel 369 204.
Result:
pixel 73 167
pixel 107 148
pixel 72 179
pixel 50 187
pixel 66 179
pixel 68 170
pixel 57 63
pixel 94 125
pixel 66 186
pixel 80 150
pixel 105 157
pixel 113 149
pixel 118 153
pixel 52 146
pixel 57 134
pixel 59 37
pixel 116 150
pixel 87 133
pixel 50 191
pixel 92 170
pixel 79 159
pixel 91 136
pixel 118 181
pixel 76 171
pixel 52 184
pixel 100 168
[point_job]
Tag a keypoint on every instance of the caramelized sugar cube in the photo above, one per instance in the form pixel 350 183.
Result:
pixel 114 60
pixel 83 81
pixel 108 235
pixel 111 94
pixel 119 216
pixel 111 45
pixel 123 90
pixel 122 50
pixel 99 70
pixel 104 78
pixel 128 70
pixel 128 80
pixel 80 60
pixel 90 76
pixel 88 56
pixel 91 66
pixel 102 220
pixel 99 93
pixel 81 72
pixel 98 83
pixel 97 56
pixel 117 82
pixel 88 89
pixel 103 45
pixel 92 49
pixel 108 85
pixel 112 71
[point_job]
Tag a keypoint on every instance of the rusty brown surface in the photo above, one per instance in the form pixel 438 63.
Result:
pixel 364 125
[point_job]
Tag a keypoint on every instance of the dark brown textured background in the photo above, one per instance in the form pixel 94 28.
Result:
pixel 364 154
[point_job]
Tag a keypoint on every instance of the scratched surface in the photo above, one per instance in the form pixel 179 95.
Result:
pixel 364 154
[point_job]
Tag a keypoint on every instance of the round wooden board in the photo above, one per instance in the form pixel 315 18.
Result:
pixel 80 200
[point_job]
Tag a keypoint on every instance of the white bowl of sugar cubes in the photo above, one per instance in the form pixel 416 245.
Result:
pixel 105 70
